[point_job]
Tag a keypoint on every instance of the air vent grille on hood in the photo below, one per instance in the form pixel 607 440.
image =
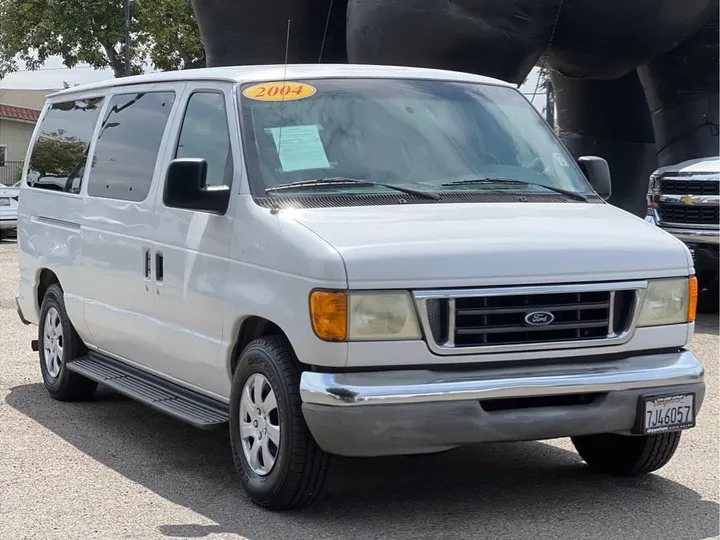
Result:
pixel 386 199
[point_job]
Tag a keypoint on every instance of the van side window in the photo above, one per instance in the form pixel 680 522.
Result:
pixel 128 145
pixel 59 155
pixel 205 134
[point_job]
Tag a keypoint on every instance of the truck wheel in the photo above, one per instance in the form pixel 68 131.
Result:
pixel 280 464
pixel 58 343
pixel 625 455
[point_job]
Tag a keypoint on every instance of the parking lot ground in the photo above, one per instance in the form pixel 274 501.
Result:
pixel 113 469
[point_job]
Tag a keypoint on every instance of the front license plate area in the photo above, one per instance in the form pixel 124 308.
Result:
pixel 672 412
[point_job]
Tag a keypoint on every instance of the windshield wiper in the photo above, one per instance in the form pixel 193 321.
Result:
pixel 340 181
pixel 502 180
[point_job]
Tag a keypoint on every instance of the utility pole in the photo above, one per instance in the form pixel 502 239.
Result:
pixel 550 109
pixel 127 37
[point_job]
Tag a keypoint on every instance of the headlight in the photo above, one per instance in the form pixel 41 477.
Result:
pixel 341 316
pixel 385 315
pixel 654 184
pixel 669 301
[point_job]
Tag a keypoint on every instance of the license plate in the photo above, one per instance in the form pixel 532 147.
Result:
pixel 4 202
pixel 668 413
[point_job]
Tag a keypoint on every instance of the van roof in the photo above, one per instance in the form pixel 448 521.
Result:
pixel 243 74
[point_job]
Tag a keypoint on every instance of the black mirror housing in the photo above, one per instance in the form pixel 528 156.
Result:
pixel 186 187
pixel 597 171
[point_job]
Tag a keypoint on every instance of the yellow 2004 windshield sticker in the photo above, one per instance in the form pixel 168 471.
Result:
pixel 279 91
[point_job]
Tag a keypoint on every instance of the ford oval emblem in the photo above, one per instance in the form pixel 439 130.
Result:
pixel 539 318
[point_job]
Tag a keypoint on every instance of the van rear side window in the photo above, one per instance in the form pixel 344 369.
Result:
pixel 128 145
pixel 59 155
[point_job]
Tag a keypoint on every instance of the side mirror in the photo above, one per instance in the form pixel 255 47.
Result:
pixel 185 187
pixel 597 172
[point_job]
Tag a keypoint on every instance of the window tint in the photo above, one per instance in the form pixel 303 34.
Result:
pixel 205 134
pixel 59 155
pixel 128 145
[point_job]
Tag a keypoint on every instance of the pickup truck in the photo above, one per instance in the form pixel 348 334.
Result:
pixel 683 200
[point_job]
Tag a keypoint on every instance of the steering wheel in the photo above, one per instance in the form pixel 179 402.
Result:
pixel 493 157
pixel 537 165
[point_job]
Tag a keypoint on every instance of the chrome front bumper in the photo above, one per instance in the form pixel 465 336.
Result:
pixel 416 411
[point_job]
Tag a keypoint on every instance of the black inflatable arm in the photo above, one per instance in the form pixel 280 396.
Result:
pixel 637 81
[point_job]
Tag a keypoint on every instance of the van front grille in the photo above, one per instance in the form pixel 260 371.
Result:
pixel 501 320
pixel 487 322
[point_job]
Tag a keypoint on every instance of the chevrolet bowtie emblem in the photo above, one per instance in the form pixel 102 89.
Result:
pixel 688 200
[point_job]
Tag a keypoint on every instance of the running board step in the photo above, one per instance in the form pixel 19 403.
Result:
pixel 171 399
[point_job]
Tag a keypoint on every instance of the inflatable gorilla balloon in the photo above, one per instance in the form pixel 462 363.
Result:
pixel 636 80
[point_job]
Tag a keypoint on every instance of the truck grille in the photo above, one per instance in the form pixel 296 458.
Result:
pixel 487 322
pixel 689 187
pixel 688 214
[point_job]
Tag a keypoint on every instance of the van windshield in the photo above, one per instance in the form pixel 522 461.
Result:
pixel 430 136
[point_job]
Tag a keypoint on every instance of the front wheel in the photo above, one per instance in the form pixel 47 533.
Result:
pixel 626 455
pixel 280 464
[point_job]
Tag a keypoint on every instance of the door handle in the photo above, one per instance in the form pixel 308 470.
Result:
pixel 159 266
pixel 146 255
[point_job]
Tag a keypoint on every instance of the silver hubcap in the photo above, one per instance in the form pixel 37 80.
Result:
pixel 53 342
pixel 259 424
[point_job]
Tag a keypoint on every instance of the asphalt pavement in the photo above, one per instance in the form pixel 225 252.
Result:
pixel 113 469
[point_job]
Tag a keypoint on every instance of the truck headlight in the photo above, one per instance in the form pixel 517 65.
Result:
pixel 363 316
pixel 654 184
pixel 669 301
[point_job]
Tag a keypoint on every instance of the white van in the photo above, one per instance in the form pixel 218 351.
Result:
pixel 350 260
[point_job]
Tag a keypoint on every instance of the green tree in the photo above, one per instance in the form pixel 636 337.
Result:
pixel 164 34
pixel 171 35
pixel 56 155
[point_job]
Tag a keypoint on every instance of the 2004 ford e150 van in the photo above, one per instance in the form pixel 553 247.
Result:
pixel 350 260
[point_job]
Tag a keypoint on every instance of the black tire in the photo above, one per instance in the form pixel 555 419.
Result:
pixel 64 385
pixel 625 455
pixel 298 475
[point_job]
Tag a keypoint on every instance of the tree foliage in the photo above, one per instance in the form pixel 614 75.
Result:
pixel 56 154
pixel 163 34
pixel 172 37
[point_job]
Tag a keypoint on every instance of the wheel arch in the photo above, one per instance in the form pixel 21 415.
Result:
pixel 249 329
pixel 45 278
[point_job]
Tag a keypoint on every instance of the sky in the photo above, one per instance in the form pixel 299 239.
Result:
pixel 53 73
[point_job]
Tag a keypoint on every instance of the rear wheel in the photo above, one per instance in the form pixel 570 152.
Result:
pixel 625 455
pixel 280 464
pixel 58 344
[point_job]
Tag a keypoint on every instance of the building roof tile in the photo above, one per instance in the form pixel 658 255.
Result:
pixel 19 113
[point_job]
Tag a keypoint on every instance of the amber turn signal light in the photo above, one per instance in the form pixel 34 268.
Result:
pixel 329 313
pixel 692 298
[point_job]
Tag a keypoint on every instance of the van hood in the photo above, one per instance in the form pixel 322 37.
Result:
pixel 466 245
